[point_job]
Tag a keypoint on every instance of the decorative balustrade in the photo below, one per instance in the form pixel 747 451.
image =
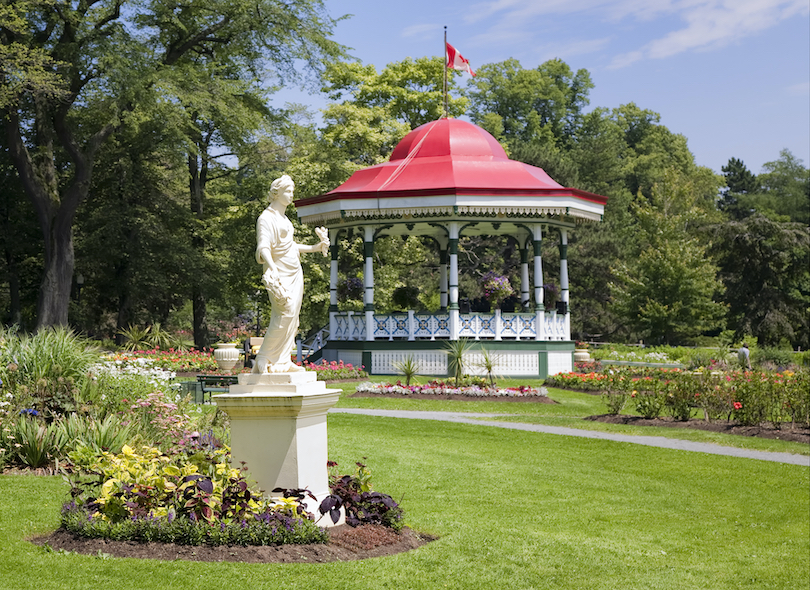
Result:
pixel 346 326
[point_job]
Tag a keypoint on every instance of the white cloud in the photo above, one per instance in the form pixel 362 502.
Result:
pixel 682 25
pixel 716 24
pixel 802 89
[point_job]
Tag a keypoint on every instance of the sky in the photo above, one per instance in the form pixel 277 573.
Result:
pixel 732 76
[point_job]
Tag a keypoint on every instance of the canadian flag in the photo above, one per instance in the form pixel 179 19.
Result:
pixel 457 61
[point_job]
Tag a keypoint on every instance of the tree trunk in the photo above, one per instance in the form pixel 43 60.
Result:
pixel 55 210
pixel 198 307
pixel 197 178
pixel 57 280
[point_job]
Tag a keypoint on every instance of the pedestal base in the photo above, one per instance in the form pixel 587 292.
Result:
pixel 278 429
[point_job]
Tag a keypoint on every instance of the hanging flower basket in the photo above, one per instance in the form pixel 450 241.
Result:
pixel 496 288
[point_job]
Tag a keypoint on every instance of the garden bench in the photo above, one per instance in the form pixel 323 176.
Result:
pixel 208 384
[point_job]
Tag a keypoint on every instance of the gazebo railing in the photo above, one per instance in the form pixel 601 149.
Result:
pixel 348 326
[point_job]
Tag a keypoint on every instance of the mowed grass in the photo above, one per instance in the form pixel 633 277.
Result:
pixel 568 411
pixel 511 509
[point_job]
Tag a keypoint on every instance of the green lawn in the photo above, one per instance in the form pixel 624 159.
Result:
pixel 512 509
pixel 569 410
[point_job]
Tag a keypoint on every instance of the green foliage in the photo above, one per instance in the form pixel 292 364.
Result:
pixel 408 91
pixel 615 392
pixel 749 397
pixel 786 186
pixel 377 110
pixel 45 371
pixel 765 268
pixel 489 361
pixel 335 370
pixel 649 395
pixel 408 367
pixel 542 105
pixel 154 497
pixel 30 442
pixel 353 493
pixel 455 350
pixel 109 434
pixel 667 293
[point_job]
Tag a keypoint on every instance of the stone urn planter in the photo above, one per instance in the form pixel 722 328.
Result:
pixel 581 355
pixel 227 356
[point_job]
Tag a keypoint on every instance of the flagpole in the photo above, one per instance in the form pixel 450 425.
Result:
pixel 444 67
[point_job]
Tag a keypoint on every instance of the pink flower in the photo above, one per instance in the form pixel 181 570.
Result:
pixel 737 406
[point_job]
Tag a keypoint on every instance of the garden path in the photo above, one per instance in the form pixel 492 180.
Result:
pixel 652 441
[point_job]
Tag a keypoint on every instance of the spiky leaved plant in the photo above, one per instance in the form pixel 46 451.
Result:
pixel 455 349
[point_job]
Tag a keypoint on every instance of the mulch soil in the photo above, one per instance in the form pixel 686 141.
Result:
pixel 345 544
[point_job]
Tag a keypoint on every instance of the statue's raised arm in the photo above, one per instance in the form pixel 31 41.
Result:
pixel 279 255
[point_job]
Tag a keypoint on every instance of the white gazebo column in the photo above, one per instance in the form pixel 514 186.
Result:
pixel 524 276
pixel 564 280
pixel 453 280
pixel 333 280
pixel 539 309
pixel 368 280
pixel 443 279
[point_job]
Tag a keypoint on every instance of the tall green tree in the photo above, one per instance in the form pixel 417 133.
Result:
pixel 20 258
pixel 108 56
pixel 741 188
pixel 765 267
pixel 540 105
pixel 133 233
pixel 668 292
pixel 786 184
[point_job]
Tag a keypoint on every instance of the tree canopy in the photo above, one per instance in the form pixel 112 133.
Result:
pixel 140 139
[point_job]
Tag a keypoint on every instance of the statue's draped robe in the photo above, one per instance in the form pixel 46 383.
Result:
pixel 275 231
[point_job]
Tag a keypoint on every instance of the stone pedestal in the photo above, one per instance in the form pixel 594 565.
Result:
pixel 278 428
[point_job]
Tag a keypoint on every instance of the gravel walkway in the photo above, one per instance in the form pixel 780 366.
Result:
pixel 651 441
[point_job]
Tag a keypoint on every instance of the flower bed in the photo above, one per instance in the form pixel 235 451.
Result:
pixel 441 388
pixel 190 498
pixel 335 371
pixel 179 361
pixel 750 398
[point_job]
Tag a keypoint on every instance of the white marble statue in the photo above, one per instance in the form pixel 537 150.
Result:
pixel 279 255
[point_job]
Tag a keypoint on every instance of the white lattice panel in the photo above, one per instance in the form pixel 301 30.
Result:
pixel 507 363
pixel 560 362
pixel 430 363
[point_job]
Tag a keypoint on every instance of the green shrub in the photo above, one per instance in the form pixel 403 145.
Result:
pixel 45 371
pixel 408 368
pixel 192 498
pixel 649 396
pixel 273 528
pixel 108 434
pixel 30 442
pixel 778 357
pixel 361 504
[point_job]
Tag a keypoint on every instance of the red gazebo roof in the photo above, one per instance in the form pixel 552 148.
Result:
pixel 455 159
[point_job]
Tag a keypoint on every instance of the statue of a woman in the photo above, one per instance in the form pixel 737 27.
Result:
pixel 279 255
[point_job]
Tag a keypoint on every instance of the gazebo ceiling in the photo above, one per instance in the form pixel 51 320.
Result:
pixel 449 169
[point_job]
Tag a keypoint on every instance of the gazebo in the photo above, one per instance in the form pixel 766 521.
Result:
pixel 448 179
